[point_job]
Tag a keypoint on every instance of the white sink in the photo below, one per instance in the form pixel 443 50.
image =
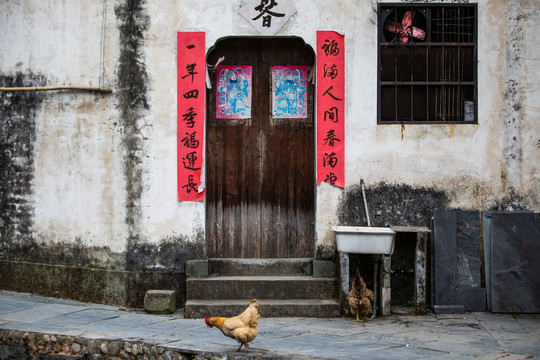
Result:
pixel 365 240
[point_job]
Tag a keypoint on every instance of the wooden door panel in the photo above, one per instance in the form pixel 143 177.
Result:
pixel 260 171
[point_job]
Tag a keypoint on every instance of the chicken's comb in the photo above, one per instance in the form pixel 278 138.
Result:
pixel 207 321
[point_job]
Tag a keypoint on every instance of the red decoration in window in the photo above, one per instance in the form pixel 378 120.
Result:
pixel 405 30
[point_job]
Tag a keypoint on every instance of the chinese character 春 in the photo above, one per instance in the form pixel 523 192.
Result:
pixel 264 11
pixel 331 138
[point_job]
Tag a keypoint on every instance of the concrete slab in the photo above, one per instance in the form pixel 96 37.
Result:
pixel 40 312
pixel 13 305
pixel 81 317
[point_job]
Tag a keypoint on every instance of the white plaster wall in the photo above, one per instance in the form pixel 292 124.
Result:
pixel 530 138
pixel 465 161
pixel 79 185
pixel 163 215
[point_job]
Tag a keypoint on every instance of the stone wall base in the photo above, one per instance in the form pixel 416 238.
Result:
pixel 111 287
pixel 31 345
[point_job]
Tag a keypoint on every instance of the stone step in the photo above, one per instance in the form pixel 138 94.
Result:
pixel 318 308
pixel 259 267
pixel 269 287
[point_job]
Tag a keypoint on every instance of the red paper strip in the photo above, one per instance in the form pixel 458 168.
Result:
pixel 191 75
pixel 331 108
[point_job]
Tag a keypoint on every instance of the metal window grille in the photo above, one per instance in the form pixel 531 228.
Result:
pixel 427 64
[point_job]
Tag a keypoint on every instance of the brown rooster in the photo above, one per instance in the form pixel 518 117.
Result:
pixel 360 298
pixel 242 328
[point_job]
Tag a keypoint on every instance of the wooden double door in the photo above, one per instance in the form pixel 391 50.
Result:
pixel 260 171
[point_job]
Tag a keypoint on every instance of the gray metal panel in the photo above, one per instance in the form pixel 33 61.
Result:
pixel 456 259
pixel 515 262
pixel 468 249
pixel 444 257
pixel 486 230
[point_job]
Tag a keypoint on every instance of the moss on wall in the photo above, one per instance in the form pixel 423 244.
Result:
pixel 391 204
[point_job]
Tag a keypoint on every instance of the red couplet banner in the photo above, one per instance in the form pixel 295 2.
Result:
pixel 191 75
pixel 331 108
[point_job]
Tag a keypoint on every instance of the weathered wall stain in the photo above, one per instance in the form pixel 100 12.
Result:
pixel 132 82
pixel 406 205
pixel 513 92
pixel 160 266
pixel 36 249
pixel 52 270
pixel 17 136
pixel 391 204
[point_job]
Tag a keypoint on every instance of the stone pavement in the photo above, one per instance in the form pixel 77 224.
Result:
pixel 34 327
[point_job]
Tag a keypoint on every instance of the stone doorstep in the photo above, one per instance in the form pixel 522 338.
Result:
pixel 297 287
pixel 324 269
pixel 269 287
pixel 160 301
pixel 315 308
pixel 259 267
pixel 262 267
pixel 197 268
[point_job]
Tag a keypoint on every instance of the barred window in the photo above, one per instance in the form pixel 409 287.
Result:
pixel 427 64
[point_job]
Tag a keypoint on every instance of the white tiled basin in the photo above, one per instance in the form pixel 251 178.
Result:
pixel 365 240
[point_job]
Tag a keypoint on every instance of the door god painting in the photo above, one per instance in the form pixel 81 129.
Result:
pixel 289 95
pixel 233 92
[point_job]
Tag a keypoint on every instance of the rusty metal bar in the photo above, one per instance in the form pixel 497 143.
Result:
pixel 439 83
pixel 427 44
pixel 61 87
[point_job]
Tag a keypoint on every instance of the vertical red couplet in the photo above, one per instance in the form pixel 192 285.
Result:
pixel 191 67
pixel 331 108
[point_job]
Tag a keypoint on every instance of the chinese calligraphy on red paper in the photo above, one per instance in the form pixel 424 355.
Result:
pixel 190 117
pixel 330 108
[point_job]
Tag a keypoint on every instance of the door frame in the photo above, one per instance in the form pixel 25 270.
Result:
pixel 239 122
